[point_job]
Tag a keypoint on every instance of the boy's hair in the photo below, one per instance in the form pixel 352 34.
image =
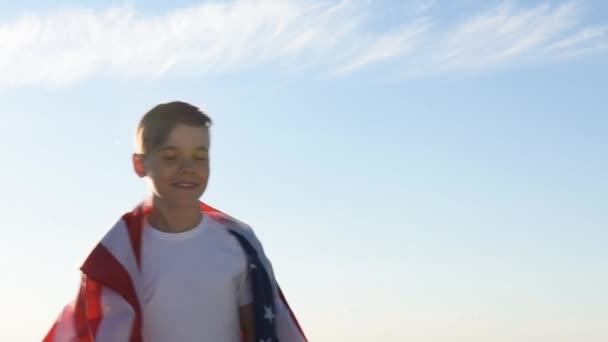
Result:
pixel 156 125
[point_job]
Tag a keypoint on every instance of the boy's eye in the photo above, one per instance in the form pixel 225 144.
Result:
pixel 200 156
pixel 168 157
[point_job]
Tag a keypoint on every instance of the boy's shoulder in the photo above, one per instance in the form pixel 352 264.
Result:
pixel 229 223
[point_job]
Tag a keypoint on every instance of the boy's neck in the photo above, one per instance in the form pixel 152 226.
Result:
pixel 173 219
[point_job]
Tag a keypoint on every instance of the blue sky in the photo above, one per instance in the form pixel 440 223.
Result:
pixel 421 170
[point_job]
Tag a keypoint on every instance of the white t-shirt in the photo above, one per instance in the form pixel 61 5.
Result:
pixel 194 283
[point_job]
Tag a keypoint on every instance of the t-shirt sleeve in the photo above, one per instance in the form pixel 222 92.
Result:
pixel 244 292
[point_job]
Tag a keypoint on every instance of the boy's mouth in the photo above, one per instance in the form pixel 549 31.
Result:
pixel 184 185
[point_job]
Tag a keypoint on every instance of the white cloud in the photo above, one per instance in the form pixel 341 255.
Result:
pixel 68 45
pixel 580 41
pixel 378 48
pixel 506 35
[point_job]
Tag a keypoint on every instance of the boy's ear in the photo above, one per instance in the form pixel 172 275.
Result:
pixel 139 165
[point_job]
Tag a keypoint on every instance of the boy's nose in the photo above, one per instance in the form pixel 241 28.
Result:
pixel 186 165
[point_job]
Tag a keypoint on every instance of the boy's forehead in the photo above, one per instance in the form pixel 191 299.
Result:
pixel 174 147
pixel 188 136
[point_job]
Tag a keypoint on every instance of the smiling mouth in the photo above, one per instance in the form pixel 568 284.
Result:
pixel 184 185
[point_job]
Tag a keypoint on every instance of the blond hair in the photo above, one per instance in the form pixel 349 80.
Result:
pixel 156 125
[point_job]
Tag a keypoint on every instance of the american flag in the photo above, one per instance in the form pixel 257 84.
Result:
pixel 263 299
pixel 112 265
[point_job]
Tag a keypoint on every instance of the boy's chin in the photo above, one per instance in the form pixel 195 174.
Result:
pixel 181 201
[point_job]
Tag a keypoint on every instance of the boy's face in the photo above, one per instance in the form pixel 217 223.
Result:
pixel 178 170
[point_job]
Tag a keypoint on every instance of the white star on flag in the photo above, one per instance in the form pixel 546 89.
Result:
pixel 268 313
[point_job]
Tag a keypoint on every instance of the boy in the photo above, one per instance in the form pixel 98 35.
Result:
pixel 175 269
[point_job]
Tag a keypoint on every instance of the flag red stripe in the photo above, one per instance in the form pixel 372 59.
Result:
pixel 134 221
pixel 105 269
pixel 50 337
pixel 80 314
pixel 94 313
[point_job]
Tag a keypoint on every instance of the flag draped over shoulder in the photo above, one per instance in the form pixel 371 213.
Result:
pixel 114 264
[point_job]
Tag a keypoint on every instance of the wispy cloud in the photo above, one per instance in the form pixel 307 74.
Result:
pixel 506 35
pixel 68 45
